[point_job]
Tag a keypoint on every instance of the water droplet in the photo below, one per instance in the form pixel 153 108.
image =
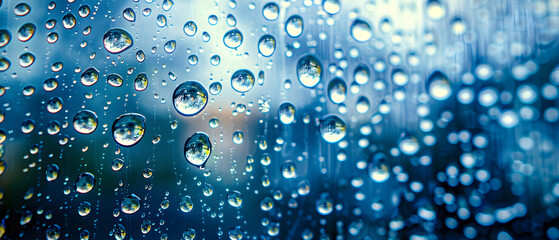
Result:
pixel 408 144
pixel 4 64
pixel 167 5
pixel 141 82
pixel 128 129
pixel 89 76
pixel 26 32
pixel 84 11
pixel 26 59
pixel 197 149
pixel 242 80
pixel 189 234
pixel 294 26
pixel 435 10
pixel 170 46
pixel 215 60
pixel 233 39
pixel 267 45
pixel 332 128
pixel 117 40
pixel 186 204
pixel 378 168
pixel 231 21
pixel 190 98
pixel 69 21
pixel 130 204
pixel 215 88
pixel 115 80
pixel 438 86
pixel 270 11
pixel 129 14
pixel 286 113
pixel 117 164
pixel 288 169
pixel 53 232
pixel 337 90
pixel 238 137
pixel 161 20
pixel 85 122
pixel 190 28
pixel 52 172
pixel 5 37
pixel 309 71
pixel 361 74
pixel 22 9
pixel 212 19
pixel 360 30
pixel 54 105
pixel 235 199
pixel 331 6
pixel 85 182
pixel 399 77
pixel 84 208
pixel 324 205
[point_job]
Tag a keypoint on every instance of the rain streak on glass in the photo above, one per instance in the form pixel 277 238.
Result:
pixel 128 129
pixel 197 149
pixel 190 98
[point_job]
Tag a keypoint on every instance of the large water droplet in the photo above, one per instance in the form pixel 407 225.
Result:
pixel 309 71
pixel 89 76
pixel 286 113
pixel 235 199
pixel 54 105
pixel 294 26
pixel 26 32
pixel 69 21
pixel 242 80
pixel 332 128
pixel 267 45
pixel 361 31
pixel 337 90
pixel 190 28
pixel 22 9
pixel 331 6
pixel 197 149
pixel 85 182
pixel 408 144
pixel 130 204
pixel 129 14
pixel 128 129
pixel 270 11
pixel 85 122
pixel 378 168
pixel 190 98
pixel 117 40
pixel 233 39
pixel 438 86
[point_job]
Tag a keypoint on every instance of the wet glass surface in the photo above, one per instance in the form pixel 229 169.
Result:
pixel 304 119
